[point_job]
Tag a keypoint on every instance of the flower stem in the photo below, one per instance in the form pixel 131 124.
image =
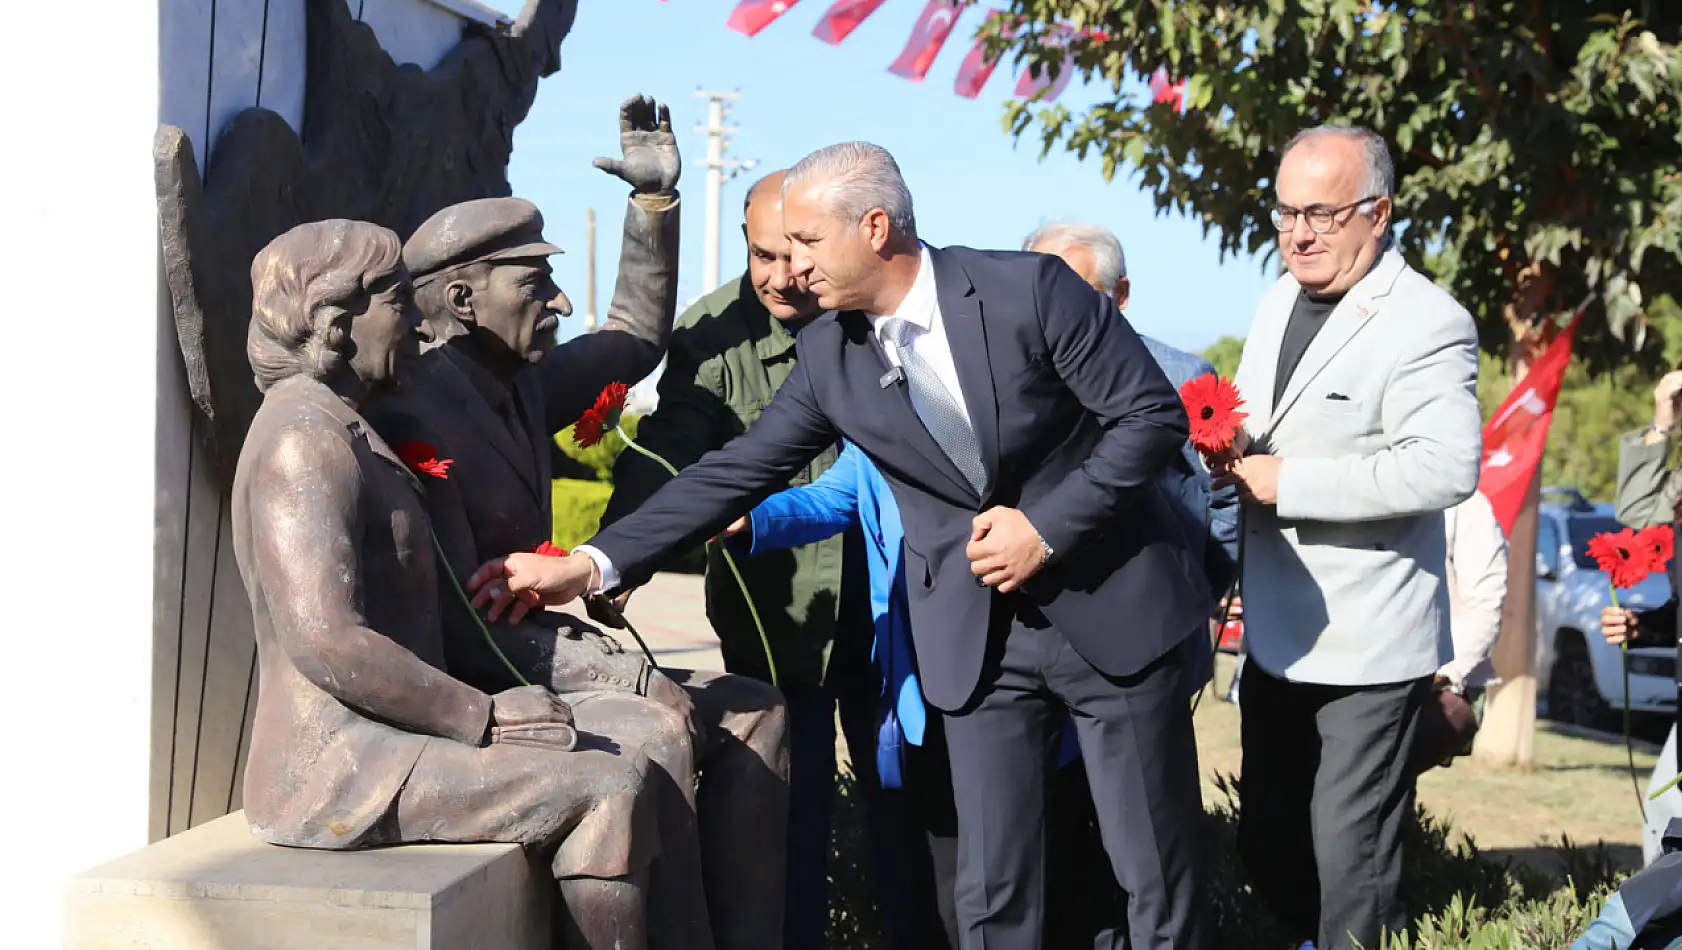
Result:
pixel 444 568
pixel 753 611
pixel 1629 744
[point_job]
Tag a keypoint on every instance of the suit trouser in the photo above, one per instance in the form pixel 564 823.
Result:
pixel 1326 791
pixel 1140 753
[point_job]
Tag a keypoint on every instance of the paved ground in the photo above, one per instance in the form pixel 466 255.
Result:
pixel 670 613
pixel 1580 786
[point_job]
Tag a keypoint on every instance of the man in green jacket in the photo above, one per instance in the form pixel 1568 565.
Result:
pixel 729 353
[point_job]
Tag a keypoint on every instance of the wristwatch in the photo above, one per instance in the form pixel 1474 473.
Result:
pixel 1045 551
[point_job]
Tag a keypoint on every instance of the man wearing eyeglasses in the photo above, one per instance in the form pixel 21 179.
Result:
pixel 1361 378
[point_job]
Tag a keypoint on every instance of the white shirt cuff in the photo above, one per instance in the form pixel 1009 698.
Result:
pixel 610 577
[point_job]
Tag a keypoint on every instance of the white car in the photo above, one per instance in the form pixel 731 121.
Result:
pixel 1580 675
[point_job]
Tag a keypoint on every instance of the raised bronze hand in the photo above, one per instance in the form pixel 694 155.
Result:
pixel 651 165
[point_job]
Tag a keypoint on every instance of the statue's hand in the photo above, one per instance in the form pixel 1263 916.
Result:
pixel 651 164
pixel 525 705
pixel 532 716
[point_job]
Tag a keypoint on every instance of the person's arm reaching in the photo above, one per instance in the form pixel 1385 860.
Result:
pixel 796 516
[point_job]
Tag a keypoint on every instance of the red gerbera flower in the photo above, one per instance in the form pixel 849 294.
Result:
pixel 549 550
pixel 1661 541
pixel 601 418
pixel 1626 559
pixel 423 458
pixel 1213 405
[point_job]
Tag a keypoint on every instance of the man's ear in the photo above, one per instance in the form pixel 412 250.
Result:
pixel 458 297
pixel 876 228
pixel 1123 287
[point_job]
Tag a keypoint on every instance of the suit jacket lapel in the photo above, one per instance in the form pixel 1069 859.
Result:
pixel 960 314
pixel 894 402
pixel 358 428
pixel 487 422
pixel 1358 307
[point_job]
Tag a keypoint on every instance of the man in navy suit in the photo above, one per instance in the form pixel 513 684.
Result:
pixel 1022 425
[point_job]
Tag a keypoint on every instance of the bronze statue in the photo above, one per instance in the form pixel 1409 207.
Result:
pixel 362 737
pixel 490 397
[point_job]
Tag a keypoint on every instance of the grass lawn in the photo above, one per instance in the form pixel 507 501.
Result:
pixel 1579 788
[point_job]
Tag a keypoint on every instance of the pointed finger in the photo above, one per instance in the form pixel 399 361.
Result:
pixel 665 119
pixel 625 110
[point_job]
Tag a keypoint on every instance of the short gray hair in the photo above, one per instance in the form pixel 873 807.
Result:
pixel 1107 257
pixel 301 283
pixel 862 177
pixel 1381 172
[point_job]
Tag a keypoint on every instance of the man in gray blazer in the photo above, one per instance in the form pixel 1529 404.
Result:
pixel 1360 377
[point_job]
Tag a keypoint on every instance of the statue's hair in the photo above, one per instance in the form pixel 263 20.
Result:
pixel 301 284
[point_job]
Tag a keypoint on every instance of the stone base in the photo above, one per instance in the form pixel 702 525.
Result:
pixel 216 887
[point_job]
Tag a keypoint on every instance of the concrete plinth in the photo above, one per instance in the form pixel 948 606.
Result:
pixel 218 888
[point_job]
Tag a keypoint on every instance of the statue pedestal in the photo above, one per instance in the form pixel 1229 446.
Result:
pixel 216 887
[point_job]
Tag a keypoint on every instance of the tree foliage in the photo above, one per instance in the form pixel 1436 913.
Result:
pixel 1537 142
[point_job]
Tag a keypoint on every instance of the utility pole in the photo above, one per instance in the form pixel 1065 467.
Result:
pixel 719 171
pixel 589 270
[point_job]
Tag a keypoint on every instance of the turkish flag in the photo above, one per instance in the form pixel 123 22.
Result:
pixel 927 37
pixel 1514 438
pixel 842 18
pixel 1043 86
pixel 751 16
pixel 977 67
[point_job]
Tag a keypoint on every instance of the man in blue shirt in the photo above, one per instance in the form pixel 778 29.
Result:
pixel 910 753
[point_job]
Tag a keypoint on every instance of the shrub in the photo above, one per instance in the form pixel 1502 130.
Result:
pixel 600 457
pixel 578 508
pixel 1459 898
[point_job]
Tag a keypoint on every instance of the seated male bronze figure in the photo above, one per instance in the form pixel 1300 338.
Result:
pixel 362 737
pixel 490 396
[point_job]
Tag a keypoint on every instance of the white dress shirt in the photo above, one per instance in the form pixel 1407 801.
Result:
pixel 921 309
pixel 1477 590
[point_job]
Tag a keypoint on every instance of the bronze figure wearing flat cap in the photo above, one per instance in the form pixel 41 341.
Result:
pixel 363 734
pixel 490 394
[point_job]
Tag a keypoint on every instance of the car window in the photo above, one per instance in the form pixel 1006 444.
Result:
pixel 1581 529
pixel 1547 542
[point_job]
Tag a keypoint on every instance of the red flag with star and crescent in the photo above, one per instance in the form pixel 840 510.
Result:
pixel 927 37
pixel 842 18
pixel 977 67
pixel 1515 436
pixel 751 16
pixel 1044 87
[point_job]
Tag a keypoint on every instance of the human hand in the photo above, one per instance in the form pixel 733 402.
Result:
pixel 1257 478
pixel 608 613
pixel 1222 460
pixel 1666 396
pixel 1618 625
pixel 525 581
pixel 734 528
pixel 651 165
pixel 665 691
pixel 1004 549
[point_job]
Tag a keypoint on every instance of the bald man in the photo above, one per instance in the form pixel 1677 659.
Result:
pixel 730 353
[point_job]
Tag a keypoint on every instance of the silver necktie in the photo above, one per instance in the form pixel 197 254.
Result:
pixel 937 408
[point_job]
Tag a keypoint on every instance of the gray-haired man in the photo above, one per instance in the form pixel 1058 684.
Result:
pixel 1361 377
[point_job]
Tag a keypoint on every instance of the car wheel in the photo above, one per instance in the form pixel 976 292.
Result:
pixel 1572 696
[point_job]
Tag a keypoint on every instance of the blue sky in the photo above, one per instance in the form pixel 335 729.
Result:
pixel 971 183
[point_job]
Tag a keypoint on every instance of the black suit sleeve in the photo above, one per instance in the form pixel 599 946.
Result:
pixel 1108 369
pixel 707 496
